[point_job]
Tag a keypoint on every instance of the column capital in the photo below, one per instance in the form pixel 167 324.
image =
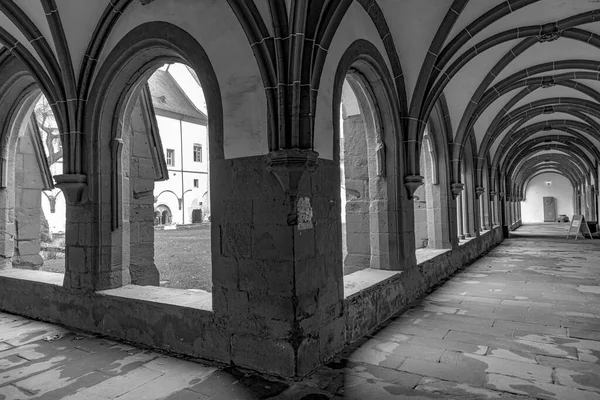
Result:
pixel 456 188
pixel 72 186
pixel 412 182
pixel 479 191
pixel 289 165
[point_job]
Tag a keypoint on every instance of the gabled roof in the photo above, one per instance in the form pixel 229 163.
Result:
pixel 169 100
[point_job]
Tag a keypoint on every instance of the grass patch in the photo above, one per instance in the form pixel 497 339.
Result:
pixel 182 256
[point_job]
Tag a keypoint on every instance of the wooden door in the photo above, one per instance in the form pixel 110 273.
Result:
pixel 549 209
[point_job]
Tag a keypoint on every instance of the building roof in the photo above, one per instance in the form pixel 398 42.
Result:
pixel 169 100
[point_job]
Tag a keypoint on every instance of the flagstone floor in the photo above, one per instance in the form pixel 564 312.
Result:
pixel 522 322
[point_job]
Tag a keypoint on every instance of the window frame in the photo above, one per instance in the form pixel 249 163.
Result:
pixel 170 157
pixel 197 152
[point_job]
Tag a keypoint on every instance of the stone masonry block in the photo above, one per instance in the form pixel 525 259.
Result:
pixel 262 277
pixel 310 274
pixel 265 355
pixel 236 240
pixel 304 243
pixel 272 242
pixel 332 338
pixel 231 302
pixel 29 261
pixel 225 273
pixel 235 211
pixel 358 243
pixel 270 211
pixel 27 247
pixel 328 236
pixel 145 274
pixel 308 356
pixel 272 307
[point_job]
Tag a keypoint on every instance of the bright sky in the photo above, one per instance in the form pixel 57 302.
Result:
pixel 187 82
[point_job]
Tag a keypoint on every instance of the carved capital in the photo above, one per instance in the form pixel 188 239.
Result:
pixel 456 188
pixel 479 191
pixel 493 195
pixel 289 165
pixel 412 182
pixel 72 186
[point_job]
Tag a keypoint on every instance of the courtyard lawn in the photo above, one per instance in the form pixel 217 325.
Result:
pixel 182 257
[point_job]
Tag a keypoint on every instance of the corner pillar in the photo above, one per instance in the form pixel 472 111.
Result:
pixel 277 261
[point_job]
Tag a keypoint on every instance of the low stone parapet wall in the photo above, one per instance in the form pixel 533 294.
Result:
pixel 374 296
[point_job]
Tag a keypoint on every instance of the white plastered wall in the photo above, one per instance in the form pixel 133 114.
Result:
pixel 560 188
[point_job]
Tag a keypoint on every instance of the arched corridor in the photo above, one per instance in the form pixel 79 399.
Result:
pixel 264 183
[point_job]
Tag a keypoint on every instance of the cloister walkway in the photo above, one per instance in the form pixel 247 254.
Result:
pixel 522 322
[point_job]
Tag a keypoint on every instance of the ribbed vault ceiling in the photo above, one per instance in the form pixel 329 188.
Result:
pixel 511 72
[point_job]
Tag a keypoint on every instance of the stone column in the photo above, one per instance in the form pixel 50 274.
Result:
pixel 79 253
pixel 142 174
pixel 492 216
pixel 459 217
pixel 593 202
pixel 478 194
pixel 465 213
pixel 27 205
pixel 356 173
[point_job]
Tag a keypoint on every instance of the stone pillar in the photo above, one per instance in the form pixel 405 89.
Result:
pixel 79 252
pixel 7 228
pixel 480 220
pixel 28 205
pixel 277 261
pixel 492 215
pixel 465 214
pixel 356 172
pixel 593 202
pixel 459 216
pixel 421 222
pixel 142 174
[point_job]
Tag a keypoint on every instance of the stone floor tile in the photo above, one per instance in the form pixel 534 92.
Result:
pixel 460 326
pixel 361 388
pixel 369 371
pixel 584 334
pixel 525 343
pixel 525 303
pixel 11 392
pixel 514 355
pixel 376 357
pixel 186 394
pixel 463 390
pixel 425 331
pixel 527 327
pixel 537 389
pixel 117 385
pixel 405 349
pixel 494 365
pixel 453 369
